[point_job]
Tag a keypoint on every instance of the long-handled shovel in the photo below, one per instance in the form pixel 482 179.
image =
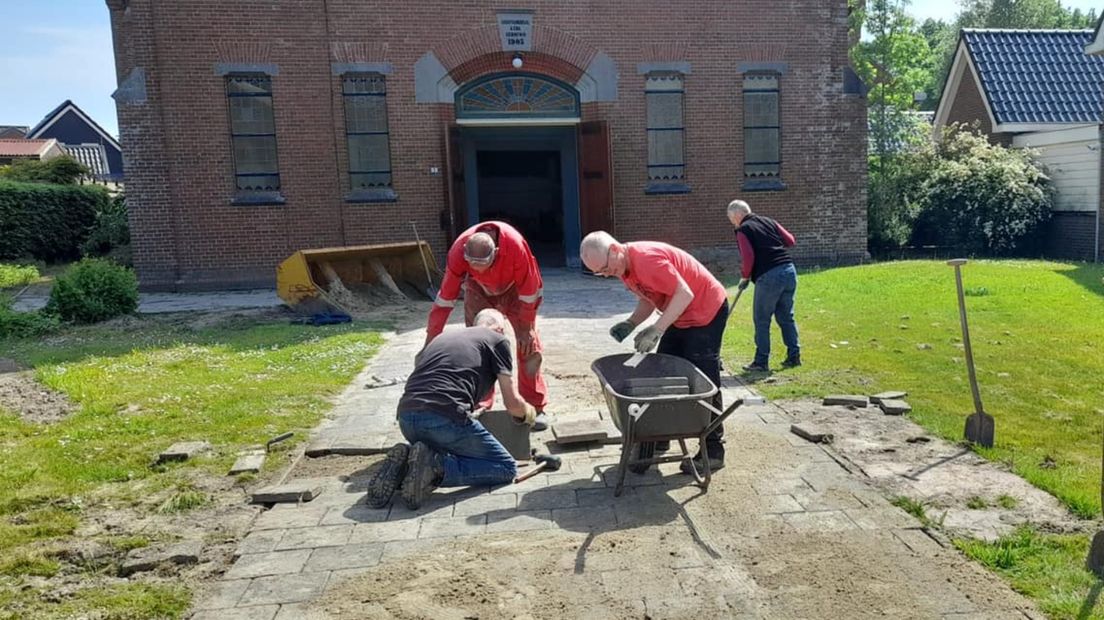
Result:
pixel 1096 550
pixel 979 425
pixel 430 291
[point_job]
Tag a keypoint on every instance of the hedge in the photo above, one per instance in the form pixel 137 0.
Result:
pixel 47 222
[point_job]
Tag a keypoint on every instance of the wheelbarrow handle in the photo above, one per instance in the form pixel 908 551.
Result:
pixel 722 417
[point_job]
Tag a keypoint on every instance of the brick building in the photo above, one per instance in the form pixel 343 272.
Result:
pixel 255 128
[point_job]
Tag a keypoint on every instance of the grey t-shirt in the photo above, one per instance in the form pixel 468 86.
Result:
pixel 456 371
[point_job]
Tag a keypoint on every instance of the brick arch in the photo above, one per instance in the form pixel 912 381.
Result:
pixel 470 46
pixel 475 53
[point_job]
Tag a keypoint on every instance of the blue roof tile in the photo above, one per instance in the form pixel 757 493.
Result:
pixel 1038 76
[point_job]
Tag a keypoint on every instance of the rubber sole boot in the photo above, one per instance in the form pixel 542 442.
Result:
pixel 716 463
pixel 386 481
pixel 423 472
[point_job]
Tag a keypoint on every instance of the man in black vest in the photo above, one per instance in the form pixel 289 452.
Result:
pixel 765 260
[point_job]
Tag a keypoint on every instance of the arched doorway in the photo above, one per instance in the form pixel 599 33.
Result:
pixel 516 146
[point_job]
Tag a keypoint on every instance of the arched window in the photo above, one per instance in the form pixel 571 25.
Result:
pixel 517 95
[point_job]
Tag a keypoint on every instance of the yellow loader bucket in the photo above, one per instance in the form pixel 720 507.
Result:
pixel 352 279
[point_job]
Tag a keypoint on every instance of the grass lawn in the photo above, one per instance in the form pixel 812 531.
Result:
pixel 141 385
pixel 1037 330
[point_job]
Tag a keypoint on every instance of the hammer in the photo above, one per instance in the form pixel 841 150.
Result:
pixel 543 461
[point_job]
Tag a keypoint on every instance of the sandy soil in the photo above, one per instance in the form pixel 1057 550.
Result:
pixel 33 402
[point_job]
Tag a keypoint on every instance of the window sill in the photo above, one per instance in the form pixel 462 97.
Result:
pixel 764 185
pixel 258 199
pixel 656 187
pixel 379 194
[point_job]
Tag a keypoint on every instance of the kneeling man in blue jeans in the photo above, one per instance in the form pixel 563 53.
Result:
pixel 447 447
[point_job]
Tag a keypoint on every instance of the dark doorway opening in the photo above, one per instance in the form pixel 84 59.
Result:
pixel 525 189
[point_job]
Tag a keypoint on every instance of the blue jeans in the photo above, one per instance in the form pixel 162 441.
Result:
pixel 774 296
pixel 469 453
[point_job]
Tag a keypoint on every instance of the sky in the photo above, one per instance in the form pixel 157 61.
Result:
pixel 53 50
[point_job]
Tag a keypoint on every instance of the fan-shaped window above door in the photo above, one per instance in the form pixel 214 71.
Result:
pixel 517 96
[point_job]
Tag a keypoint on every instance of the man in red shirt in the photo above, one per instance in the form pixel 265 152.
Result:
pixel 765 260
pixel 692 304
pixel 496 268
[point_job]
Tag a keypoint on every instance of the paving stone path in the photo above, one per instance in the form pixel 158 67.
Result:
pixel 789 487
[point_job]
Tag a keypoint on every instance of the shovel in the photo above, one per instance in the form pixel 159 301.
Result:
pixel 979 425
pixel 1096 550
pixel 430 290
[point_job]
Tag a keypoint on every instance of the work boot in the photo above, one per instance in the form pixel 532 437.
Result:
pixel 756 367
pixel 386 481
pixel 792 361
pixel 662 446
pixel 716 463
pixel 540 423
pixel 424 472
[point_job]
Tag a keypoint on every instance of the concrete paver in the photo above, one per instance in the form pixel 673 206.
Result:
pixel 262 564
pixel 314 537
pixel 347 556
pixel 284 589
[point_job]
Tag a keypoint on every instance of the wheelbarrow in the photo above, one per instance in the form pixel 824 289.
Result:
pixel 664 398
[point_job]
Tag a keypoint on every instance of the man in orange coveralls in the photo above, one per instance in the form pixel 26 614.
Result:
pixel 497 269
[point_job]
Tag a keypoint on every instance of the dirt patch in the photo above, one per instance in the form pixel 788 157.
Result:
pixel 21 394
pixel 335 466
pixel 966 494
pixel 532 575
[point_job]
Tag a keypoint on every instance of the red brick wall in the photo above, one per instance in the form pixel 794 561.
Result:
pixel 1070 235
pixel 180 168
pixel 969 107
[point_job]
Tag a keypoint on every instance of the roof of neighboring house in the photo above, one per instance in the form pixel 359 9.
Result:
pixel 13 131
pixel 25 148
pixel 65 107
pixel 1038 76
pixel 92 156
pixel 1096 43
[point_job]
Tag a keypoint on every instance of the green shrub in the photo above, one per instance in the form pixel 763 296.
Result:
pixel 17 275
pixel 63 170
pixel 47 222
pixel 94 290
pixel 110 234
pixel 982 198
pixel 24 324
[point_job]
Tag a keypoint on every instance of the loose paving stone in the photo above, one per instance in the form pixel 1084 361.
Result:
pixel 519 521
pixel 147 559
pixel 183 451
pixel 890 395
pixel 260 541
pixel 453 527
pixel 894 407
pixel 262 564
pixel 845 400
pixel 547 499
pixel 286 516
pixel 360 445
pixel 385 532
pixel 222 594
pixel 881 518
pixel 780 504
pixel 248 463
pixel 918 541
pixel 284 589
pixel 585 519
pixel 358 513
pixel 829 521
pixel 289 493
pixel 312 537
pixel 398 549
pixel 579 431
pixel 318 447
pixel 482 504
pixel 812 432
pixel 257 612
pixel 348 556
pixel 513 436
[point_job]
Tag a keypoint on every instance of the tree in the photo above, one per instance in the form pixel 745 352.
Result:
pixel 63 170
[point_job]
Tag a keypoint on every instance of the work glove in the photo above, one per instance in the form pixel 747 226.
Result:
pixel 525 338
pixel 648 338
pixel 622 330
pixel 530 416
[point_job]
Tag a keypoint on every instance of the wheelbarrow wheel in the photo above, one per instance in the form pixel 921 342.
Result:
pixel 644 450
